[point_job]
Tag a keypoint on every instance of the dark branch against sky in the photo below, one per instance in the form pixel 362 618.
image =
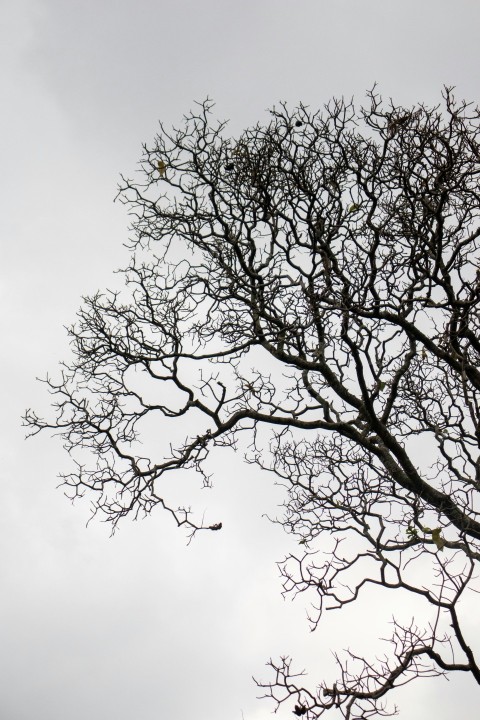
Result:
pixel 88 616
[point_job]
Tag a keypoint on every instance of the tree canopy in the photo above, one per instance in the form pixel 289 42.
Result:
pixel 307 293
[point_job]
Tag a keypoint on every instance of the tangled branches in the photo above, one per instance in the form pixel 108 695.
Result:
pixel 313 286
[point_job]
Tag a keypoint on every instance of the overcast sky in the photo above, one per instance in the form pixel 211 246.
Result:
pixel 139 626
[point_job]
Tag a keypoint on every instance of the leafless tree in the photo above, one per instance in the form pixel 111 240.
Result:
pixel 312 286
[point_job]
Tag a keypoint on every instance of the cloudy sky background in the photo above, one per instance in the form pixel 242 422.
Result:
pixel 139 626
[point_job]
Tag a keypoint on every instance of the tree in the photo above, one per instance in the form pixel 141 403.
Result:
pixel 313 287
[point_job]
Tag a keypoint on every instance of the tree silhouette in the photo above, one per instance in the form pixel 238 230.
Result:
pixel 313 287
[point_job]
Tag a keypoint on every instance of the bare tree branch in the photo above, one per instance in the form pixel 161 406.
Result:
pixel 312 286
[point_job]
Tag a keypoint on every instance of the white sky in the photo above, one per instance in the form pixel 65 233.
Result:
pixel 139 626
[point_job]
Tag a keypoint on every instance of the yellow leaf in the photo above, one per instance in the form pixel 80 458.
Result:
pixel 161 167
pixel 438 539
pixel 353 208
